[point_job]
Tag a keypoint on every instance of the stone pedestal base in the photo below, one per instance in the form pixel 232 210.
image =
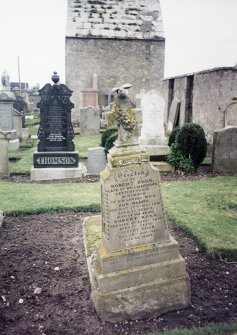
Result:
pixel 163 166
pixel 134 283
pixel 14 145
pixel 157 150
pixel 38 174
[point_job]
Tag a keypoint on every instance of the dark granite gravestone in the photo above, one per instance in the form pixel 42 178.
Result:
pixel 55 147
pixel 20 105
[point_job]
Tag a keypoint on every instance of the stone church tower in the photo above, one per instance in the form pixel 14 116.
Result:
pixel 119 41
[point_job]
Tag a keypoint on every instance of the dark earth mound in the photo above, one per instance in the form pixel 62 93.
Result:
pixel 47 252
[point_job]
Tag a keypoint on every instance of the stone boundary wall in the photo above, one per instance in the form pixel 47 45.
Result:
pixel 204 103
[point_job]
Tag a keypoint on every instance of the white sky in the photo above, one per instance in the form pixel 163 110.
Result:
pixel 200 34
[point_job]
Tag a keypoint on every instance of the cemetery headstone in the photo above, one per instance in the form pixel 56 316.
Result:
pixel 153 106
pixel 231 114
pixel 153 131
pixel 7 112
pixel 134 263
pixel 173 115
pixel 17 122
pixel 224 156
pixel 56 149
pixel 90 120
pixel 96 160
pixel 4 140
pixel 90 95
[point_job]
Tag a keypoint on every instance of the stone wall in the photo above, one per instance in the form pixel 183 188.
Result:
pixel 115 62
pixel 204 97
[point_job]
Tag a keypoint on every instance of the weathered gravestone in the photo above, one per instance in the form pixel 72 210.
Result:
pixel 152 131
pixel 153 106
pixel 89 120
pixel 173 116
pixel 56 157
pixel 4 158
pixel 19 106
pixel 224 156
pixel 135 268
pixel 7 112
pixel 231 114
pixel 90 95
pixel 96 160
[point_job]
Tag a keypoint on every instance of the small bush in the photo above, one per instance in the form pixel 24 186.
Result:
pixel 178 160
pixel 106 135
pixel 192 143
pixel 173 135
pixel 110 141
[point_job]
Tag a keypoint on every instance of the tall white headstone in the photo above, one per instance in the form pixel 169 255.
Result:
pixel 153 108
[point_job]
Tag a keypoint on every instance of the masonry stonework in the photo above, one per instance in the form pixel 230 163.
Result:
pixel 204 97
pixel 119 41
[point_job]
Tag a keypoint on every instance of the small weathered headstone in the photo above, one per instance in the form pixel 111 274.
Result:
pixel 7 99
pixel 173 115
pixel 231 114
pixel 90 95
pixel 89 120
pixel 17 122
pixel 4 157
pixel 134 263
pixel 224 156
pixel 96 160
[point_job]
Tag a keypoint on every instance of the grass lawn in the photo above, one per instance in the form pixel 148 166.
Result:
pixel 23 198
pixel 25 157
pixel 83 142
pixel 222 329
pixel 32 122
pixel 24 161
pixel 206 210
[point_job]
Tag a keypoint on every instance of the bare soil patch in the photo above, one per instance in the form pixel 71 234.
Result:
pixel 47 251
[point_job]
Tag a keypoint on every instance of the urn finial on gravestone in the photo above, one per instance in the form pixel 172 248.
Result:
pixel 55 78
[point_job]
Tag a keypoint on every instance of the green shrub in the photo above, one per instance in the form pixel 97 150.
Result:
pixel 106 135
pixel 110 141
pixel 178 160
pixel 192 143
pixel 173 135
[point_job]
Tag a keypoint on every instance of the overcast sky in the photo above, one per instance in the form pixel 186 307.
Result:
pixel 200 34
